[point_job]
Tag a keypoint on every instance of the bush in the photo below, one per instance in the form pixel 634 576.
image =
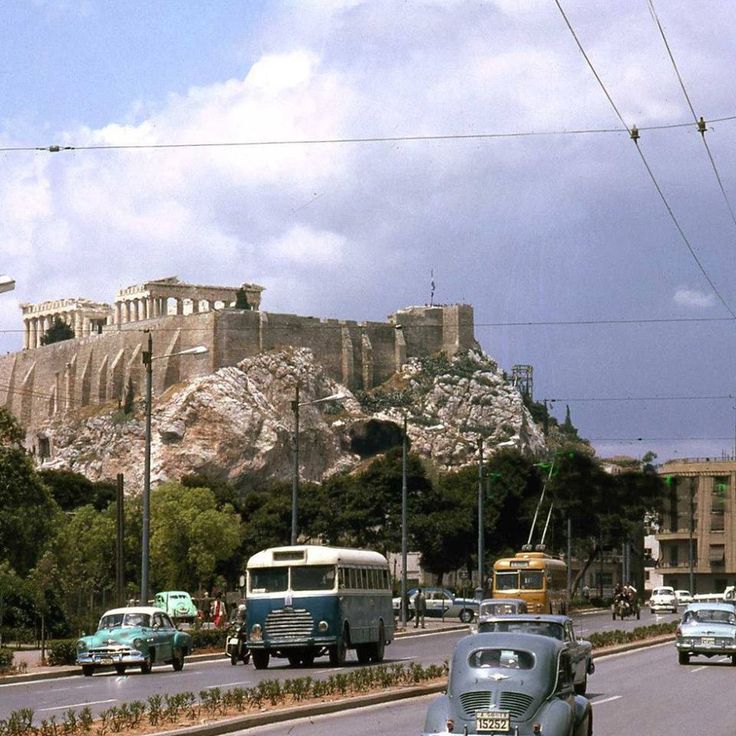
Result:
pixel 62 652
pixel 6 659
pixel 608 638
pixel 208 638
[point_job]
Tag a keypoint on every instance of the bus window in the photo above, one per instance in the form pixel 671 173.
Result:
pixel 507 581
pixel 342 575
pixel 532 581
pixel 269 579
pixel 313 577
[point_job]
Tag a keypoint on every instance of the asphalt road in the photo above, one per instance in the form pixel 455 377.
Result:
pixel 53 697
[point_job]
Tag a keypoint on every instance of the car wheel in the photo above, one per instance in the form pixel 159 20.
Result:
pixel 581 687
pixel 260 659
pixel 379 648
pixel 147 666
pixel 733 659
pixel 177 661
pixel 338 653
pixel 466 615
pixel 683 658
pixel 88 670
pixel 120 669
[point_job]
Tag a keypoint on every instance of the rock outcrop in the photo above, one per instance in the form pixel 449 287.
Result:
pixel 237 424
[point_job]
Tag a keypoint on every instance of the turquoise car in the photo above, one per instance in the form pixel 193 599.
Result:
pixel 139 636
pixel 178 604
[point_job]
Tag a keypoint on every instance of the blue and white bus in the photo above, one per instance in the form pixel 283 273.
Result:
pixel 306 601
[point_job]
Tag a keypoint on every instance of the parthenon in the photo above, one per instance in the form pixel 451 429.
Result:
pixel 84 316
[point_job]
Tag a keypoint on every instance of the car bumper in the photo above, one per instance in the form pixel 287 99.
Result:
pixel 107 659
pixel 686 647
pixel 671 607
pixel 312 641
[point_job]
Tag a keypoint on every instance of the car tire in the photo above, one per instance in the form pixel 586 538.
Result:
pixel 683 657
pixel 581 687
pixel 733 659
pixel 466 615
pixel 177 661
pixel 88 670
pixel 379 648
pixel 120 669
pixel 260 659
pixel 147 666
pixel 339 651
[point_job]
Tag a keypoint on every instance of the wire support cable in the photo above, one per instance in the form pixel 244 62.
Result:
pixel 723 397
pixel 701 124
pixel 634 134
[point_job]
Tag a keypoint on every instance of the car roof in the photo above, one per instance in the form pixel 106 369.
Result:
pixel 703 606
pixel 541 618
pixel 134 609
pixel 486 601
pixel 508 640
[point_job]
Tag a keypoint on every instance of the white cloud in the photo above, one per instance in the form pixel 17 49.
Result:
pixel 303 246
pixel 693 298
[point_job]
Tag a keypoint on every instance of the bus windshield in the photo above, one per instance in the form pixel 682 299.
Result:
pixel 313 577
pixel 269 579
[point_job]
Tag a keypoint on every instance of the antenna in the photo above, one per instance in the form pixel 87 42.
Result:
pixel 539 503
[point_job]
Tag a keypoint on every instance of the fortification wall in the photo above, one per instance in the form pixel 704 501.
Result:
pixel 37 383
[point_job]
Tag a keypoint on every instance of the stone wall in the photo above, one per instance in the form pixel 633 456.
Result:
pixel 38 383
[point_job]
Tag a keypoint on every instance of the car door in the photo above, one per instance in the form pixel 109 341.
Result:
pixel 578 655
pixel 163 635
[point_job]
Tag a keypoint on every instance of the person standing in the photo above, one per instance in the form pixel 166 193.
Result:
pixel 218 612
pixel 420 608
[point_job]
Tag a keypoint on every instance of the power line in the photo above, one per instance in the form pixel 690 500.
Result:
pixel 347 140
pixel 700 123
pixel 658 439
pixel 634 134
pixel 646 398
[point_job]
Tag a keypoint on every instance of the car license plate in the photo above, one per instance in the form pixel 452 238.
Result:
pixel 707 641
pixel 105 660
pixel 493 721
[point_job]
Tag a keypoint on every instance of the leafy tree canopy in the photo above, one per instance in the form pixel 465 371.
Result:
pixel 58 331
pixel 11 433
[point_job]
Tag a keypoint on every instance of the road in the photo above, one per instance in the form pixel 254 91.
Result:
pixel 53 697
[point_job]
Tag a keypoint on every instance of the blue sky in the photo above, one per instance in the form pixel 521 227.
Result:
pixel 564 228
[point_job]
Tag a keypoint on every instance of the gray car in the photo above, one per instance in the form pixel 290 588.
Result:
pixel 558 627
pixel 707 629
pixel 516 684
pixel 441 603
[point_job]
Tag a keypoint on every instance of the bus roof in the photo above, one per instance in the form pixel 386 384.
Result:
pixel 527 561
pixel 315 554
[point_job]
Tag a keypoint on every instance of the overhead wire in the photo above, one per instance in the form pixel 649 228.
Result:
pixel 634 135
pixel 701 123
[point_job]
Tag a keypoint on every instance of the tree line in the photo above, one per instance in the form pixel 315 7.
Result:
pixel 58 528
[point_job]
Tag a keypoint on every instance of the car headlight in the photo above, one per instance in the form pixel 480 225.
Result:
pixel 323 626
pixel 81 646
pixel 138 643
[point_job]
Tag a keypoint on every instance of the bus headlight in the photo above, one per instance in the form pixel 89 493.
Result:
pixel 256 632
pixel 323 626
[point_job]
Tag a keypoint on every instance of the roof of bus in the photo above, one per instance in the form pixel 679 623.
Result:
pixel 315 554
pixel 526 560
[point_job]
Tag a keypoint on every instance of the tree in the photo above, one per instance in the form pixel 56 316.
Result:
pixel 71 490
pixel 11 433
pixel 241 300
pixel 190 535
pixel 58 331
pixel 28 511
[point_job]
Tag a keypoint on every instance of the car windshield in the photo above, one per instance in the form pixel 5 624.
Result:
pixel 542 628
pixel 497 609
pixel 268 579
pixel 711 616
pixel 509 659
pixel 664 591
pixel 113 620
pixel 313 577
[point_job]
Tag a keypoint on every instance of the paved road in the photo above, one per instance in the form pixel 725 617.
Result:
pixel 645 689
pixel 105 689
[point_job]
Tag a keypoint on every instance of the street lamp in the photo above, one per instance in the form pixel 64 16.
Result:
pixel 6 284
pixel 148 358
pixel 295 484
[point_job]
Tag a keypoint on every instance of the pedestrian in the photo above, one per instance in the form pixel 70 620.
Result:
pixel 218 612
pixel 586 592
pixel 420 608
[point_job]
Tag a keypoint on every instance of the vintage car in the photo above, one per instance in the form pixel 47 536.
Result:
pixel 441 603
pixel 178 604
pixel 502 607
pixel 683 597
pixel 515 684
pixel 707 629
pixel 663 599
pixel 138 636
pixel 558 627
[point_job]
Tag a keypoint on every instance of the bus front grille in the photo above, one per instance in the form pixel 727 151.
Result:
pixel 289 623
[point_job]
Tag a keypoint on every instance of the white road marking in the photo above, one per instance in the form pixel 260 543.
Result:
pixel 78 705
pixel 606 700
pixel 698 669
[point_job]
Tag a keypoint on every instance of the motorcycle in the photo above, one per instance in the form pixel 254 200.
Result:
pixel 235 647
pixel 623 607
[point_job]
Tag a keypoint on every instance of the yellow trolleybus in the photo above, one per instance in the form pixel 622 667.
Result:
pixel 535 577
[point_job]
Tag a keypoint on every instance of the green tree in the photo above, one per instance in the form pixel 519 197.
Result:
pixel 71 490
pixel 58 331
pixel 241 300
pixel 11 433
pixel 190 535
pixel 28 511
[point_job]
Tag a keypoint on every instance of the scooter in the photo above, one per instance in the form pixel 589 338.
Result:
pixel 235 647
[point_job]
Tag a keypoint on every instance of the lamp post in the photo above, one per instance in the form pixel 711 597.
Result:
pixel 481 525
pixel 691 561
pixel 148 358
pixel 6 284
pixel 295 482
pixel 404 530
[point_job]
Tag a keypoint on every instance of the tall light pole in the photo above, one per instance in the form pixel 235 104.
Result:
pixel 6 284
pixel 481 525
pixel 404 530
pixel 295 481
pixel 691 561
pixel 148 358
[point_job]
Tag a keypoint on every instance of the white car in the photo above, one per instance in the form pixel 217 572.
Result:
pixel 663 599
pixel 683 597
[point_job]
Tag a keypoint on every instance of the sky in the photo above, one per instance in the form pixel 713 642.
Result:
pixel 511 180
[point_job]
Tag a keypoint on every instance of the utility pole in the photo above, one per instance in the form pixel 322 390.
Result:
pixel 691 561
pixel 481 530
pixel 119 553
pixel 404 531
pixel 295 480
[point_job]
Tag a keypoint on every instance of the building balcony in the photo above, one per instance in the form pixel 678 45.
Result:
pixel 664 535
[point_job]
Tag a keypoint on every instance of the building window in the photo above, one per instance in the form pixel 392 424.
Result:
pixel 44 448
pixel 716 555
pixel 718 503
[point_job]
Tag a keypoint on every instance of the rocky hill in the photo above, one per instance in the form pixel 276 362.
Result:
pixel 237 424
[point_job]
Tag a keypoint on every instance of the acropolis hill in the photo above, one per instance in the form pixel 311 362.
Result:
pixel 95 367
